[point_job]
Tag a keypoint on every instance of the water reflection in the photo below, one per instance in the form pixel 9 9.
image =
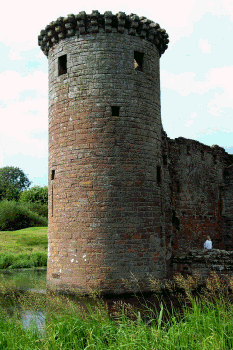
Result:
pixel 27 280
pixel 30 318
pixel 34 281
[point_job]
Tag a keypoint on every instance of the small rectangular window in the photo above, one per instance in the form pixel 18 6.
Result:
pixel 138 61
pixel 159 174
pixel 52 174
pixel 62 65
pixel 115 111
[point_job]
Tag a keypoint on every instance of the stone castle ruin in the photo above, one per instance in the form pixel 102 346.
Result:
pixel 126 202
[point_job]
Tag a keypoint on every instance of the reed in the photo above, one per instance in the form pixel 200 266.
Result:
pixel 206 321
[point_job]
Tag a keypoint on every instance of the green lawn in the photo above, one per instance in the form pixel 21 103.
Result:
pixel 32 239
pixel 23 248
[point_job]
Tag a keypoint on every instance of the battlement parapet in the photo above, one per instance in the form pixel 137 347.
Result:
pixel 82 24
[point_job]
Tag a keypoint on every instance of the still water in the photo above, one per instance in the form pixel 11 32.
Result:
pixel 35 281
pixel 28 280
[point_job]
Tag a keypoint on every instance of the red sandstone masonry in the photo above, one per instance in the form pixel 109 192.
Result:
pixel 125 201
pixel 198 182
pixel 104 200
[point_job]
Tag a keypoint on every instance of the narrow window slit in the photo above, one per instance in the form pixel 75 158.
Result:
pixel 52 201
pixel 62 65
pixel 159 174
pixel 138 61
pixel 53 175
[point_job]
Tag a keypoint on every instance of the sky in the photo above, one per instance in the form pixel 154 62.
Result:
pixel 196 73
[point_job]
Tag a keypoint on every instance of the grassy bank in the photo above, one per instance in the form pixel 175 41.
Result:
pixel 23 248
pixel 206 324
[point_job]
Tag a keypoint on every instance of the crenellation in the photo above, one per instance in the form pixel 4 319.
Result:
pixel 83 24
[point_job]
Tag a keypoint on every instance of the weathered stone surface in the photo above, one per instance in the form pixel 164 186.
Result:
pixel 125 201
pixel 203 262
pixel 83 24
pixel 104 142
pixel 198 194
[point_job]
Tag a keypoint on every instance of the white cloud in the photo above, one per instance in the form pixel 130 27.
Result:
pixel 13 83
pixel 218 103
pixel 185 83
pixel 229 7
pixel 204 45
pixel 221 77
pixel 21 126
pixel 214 111
pixel 15 55
pixel 189 122
pixel 18 117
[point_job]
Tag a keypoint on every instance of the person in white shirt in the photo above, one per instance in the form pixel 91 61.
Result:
pixel 208 243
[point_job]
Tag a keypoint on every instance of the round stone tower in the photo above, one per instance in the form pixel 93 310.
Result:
pixel 105 170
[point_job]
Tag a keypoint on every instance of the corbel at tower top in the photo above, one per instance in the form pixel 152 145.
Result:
pixel 82 24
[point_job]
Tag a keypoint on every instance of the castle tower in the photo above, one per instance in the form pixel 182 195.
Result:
pixel 104 151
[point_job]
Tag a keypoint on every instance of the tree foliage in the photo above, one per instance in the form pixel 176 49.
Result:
pixel 7 190
pixel 35 194
pixel 12 181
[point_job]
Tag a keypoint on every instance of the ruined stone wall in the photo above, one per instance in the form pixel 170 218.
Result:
pixel 166 207
pixel 227 202
pixel 196 177
pixel 125 201
pixel 203 262
pixel 105 192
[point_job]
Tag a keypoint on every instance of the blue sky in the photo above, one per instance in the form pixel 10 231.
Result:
pixel 196 74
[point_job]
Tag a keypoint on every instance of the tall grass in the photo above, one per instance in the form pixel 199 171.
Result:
pixel 206 324
pixel 23 260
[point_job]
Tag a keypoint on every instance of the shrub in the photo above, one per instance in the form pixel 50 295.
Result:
pixel 39 259
pixel 15 216
pixel 6 260
pixel 40 209
pixel 23 260
pixel 35 194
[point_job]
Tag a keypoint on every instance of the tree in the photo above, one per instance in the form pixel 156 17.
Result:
pixel 7 190
pixel 12 181
pixel 35 194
